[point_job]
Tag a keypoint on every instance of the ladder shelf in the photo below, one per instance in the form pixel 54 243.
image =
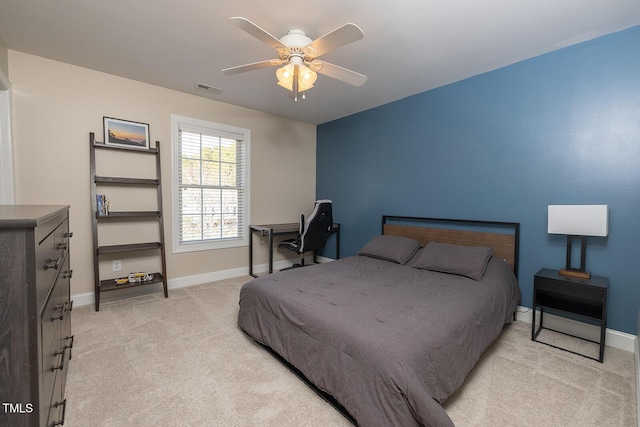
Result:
pixel 119 217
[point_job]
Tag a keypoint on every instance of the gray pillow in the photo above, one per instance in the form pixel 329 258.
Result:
pixel 391 248
pixel 468 261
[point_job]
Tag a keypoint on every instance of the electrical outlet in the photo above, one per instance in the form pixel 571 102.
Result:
pixel 117 265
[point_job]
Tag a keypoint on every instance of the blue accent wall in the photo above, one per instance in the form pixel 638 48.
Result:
pixel 561 128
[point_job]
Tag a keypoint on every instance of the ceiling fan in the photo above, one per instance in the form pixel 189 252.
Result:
pixel 300 54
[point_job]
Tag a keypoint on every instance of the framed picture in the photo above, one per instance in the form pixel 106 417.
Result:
pixel 123 133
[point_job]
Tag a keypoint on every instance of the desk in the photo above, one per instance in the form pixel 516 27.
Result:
pixel 272 230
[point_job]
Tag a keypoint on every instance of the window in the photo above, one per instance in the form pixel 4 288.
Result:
pixel 210 185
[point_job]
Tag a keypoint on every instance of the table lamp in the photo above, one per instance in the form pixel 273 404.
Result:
pixel 578 222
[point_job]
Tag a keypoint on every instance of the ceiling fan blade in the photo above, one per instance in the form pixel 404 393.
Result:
pixel 338 73
pixel 344 35
pixel 257 32
pixel 250 67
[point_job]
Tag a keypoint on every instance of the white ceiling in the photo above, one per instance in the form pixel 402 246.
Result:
pixel 409 46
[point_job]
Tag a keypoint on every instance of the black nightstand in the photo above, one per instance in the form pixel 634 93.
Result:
pixel 579 299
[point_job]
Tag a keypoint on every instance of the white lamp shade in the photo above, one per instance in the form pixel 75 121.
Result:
pixel 578 220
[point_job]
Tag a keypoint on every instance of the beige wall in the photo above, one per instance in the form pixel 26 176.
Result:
pixel 56 105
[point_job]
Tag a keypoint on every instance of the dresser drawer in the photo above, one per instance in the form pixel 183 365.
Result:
pixel 53 324
pixel 47 265
pixel 57 408
pixel 51 360
pixel 46 227
pixel 50 255
pixel 61 236
pixel 64 283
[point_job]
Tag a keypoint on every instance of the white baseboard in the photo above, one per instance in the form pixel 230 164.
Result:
pixel 612 338
pixel 87 298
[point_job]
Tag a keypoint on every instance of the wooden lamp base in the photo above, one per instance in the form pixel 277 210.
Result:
pixel 579 274
pixel 576 272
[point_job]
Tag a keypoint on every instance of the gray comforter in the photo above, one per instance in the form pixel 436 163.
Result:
pixel 389 342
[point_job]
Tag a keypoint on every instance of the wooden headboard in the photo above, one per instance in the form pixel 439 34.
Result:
pixel 505 243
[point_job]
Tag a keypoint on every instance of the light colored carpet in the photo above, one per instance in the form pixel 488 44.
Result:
pixel 182 361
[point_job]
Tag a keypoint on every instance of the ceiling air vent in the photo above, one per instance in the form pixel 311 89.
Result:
pixel 203 86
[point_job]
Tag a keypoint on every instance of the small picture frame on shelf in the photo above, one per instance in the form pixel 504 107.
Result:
pixel 126 134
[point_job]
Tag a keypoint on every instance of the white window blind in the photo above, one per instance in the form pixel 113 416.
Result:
pixel 212 190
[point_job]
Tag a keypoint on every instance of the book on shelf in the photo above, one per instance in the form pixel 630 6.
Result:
pixel 103 204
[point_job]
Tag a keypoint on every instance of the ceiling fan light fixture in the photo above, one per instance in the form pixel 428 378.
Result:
pixel 306 77
pixel 285 76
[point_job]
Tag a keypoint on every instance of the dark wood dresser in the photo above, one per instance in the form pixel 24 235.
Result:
pixel 35 312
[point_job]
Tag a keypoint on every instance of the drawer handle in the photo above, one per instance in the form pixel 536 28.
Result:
pixel 64 410
pixel 56 308
pixel 59 353
pixel 68 274
pixel 69 305
pixel 62 246
pixel 68 234
pixel 53 263
pixel 70 346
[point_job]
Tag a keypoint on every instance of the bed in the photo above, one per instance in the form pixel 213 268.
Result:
pixel 389 334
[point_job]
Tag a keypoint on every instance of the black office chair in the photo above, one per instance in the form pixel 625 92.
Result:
pixel 313 232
